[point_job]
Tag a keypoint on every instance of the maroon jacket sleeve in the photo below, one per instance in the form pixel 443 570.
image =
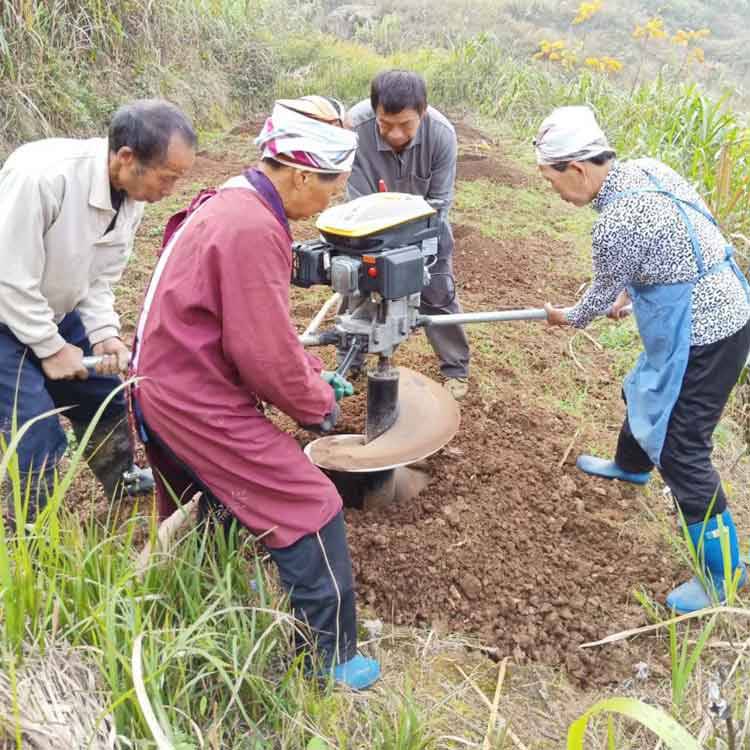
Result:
pixel 258 335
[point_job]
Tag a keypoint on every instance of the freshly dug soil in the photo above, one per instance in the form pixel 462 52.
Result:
pixel 503 273
pixel 505 544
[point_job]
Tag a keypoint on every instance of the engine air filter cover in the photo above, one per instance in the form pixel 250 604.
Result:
pixel 378 221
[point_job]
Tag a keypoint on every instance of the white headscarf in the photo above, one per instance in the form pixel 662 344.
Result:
pixel 298 139
pixel 318 107
pixel 569 134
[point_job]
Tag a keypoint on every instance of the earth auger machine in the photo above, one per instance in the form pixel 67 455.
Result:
pixel 376 253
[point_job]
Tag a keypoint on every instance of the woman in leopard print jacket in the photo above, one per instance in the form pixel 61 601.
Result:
pixel 655 244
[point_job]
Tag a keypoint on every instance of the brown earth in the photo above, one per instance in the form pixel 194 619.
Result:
pixel 473 166
pixel 471 137
pixel 508 541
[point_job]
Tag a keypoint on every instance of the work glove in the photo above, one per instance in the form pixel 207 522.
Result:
pixel 341 386
pixel 328 423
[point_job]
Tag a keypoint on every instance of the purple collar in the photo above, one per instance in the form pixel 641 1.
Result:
pixel 269 194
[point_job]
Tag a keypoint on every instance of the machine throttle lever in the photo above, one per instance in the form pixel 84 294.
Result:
pixel 348 360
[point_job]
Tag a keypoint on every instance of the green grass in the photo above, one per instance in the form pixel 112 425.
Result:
pixel 621 339
pixel 503 212
pixel 209 627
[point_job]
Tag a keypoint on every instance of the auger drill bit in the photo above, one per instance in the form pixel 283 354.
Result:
pixel 382 399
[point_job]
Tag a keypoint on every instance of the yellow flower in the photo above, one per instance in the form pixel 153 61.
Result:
pixel 685 36
pixel 550 50
pixel 586 10
pixel 681 37
pixel 612 65
pixel 603 64
pixel 655 28
pixel 698 55
pixel 652 29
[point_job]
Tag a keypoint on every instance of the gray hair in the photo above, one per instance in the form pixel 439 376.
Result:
pixel 146 127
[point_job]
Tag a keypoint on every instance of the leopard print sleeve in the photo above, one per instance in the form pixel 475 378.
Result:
pixel 643 239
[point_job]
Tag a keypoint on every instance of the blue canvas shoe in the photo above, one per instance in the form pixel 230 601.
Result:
pixel 601 467
pixel 706 538
pixel 358 673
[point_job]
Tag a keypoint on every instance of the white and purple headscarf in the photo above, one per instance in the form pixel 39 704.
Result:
pixel 569 134
pixel 301 139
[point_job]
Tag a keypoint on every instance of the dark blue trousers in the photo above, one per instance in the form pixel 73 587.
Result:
pixel 25 390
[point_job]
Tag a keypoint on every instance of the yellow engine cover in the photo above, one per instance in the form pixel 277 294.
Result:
pixel 370 214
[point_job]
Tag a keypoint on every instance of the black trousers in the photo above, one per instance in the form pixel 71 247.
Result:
pixel 686 467
pixel 317 572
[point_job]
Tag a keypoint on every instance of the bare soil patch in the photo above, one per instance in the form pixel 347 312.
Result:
pixel 505 544
pixel 469 135
pixel 511 273
pixel 249 127
pixel 474 166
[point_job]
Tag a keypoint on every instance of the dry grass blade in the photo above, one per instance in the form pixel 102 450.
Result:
pixel 169 528
pixel 492 723
pixel 621 636
pixel 516 740
pixel 565 455
pixel 58 704
pixel 572 354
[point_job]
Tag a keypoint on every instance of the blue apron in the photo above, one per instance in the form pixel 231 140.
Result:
pixel 663 313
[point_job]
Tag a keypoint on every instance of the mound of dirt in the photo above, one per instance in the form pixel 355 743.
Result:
pixel 249 127
pixel 506 545
pixel 473 166
pixel 469 135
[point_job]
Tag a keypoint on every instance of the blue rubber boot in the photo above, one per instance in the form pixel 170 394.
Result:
pixel 692 595
pixel 600 467
pixel 358 673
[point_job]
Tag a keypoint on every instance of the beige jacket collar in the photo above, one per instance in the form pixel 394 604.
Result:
pixel 99 194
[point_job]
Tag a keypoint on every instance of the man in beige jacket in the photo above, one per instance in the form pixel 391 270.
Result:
pixel 69 210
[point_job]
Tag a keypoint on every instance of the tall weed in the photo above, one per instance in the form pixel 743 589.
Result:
pixel 212 640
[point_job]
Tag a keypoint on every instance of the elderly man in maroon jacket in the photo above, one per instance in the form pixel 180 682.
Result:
pixel 216 342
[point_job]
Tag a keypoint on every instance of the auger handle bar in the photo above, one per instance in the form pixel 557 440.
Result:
pixel 494 316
